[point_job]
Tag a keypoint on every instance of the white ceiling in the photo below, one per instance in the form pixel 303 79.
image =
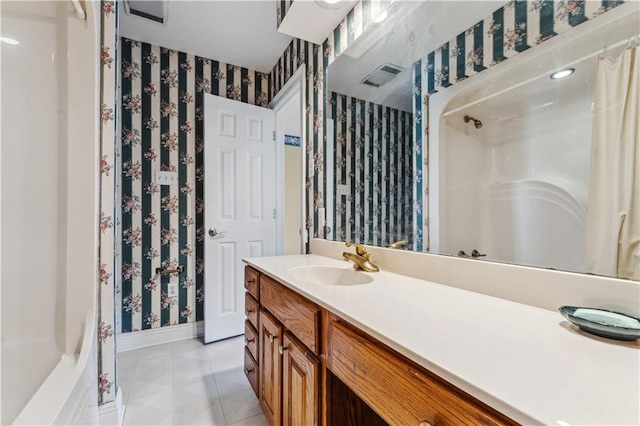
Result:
pixel 238 32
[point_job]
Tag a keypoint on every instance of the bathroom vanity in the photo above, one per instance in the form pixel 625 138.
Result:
pixel 403 351
pixel 301 343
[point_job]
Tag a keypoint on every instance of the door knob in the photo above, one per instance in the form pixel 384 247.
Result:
pixel 213 232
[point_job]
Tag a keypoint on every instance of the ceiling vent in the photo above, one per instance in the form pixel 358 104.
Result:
pixel 153 10
pixel 382 75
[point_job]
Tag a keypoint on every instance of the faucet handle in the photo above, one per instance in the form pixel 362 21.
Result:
pixel 360 249
pixel 476 253
pixel 398 244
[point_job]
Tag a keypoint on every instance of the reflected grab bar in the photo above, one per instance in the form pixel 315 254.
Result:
pixel 162 271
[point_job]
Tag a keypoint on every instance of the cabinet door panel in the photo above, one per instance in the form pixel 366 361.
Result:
pixel 270 368
pixel 300 384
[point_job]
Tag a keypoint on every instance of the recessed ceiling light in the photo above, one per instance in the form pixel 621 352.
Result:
pixel 8 40
pixel 331 1
pixel 562 74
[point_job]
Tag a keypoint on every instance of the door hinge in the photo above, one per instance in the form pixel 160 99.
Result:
pixel 274 213
pixel 274 135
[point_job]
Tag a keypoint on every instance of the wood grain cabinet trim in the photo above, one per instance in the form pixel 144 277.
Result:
pixel 252 281
pixel 298 315
pixel 401 392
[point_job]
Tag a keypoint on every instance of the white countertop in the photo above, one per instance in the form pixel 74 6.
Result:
pixel 526 362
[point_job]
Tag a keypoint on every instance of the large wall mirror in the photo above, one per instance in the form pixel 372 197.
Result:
pixel 503 167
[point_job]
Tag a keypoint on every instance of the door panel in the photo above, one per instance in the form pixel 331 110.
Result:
pixel 239 201
pixel 255 194
pixel 255 248
pixel 227 296
pixel 227 185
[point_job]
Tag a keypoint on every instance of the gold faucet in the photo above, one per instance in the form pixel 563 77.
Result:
pixel 398 244
pixel 360 258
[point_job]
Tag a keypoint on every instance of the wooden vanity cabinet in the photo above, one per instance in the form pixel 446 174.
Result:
pixel 315 368
pixel 289 338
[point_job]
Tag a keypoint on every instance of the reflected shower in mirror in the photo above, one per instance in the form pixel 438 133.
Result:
pixel 369 98
pixel 507 170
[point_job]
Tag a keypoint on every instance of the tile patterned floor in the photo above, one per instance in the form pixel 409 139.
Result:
pixel 188 383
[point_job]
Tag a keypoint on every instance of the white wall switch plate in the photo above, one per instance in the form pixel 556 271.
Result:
pixel 166 178
pixel 343 190
pixel 172 290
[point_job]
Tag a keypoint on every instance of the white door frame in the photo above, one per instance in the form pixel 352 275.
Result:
pixel 293 86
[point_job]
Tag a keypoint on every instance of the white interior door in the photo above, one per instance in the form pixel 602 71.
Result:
pixel 239 160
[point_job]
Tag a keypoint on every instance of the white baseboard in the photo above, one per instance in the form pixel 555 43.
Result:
pixel 112 413
pixel 158 336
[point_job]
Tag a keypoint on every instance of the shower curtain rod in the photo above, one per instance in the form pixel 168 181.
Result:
pixel 599 52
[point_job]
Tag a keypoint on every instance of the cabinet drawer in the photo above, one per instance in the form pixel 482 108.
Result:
pixel 251 339
pixel 251 308
pixel 251 281
pixel 401 392
pixel 251 370
pixel 300 316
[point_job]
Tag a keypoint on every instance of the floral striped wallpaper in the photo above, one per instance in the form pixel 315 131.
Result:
pixel 316 59
pixel 373 156
pixel 510 30
pixel 162 130
pixel 297 53
pixel 282 7
pixel 106 290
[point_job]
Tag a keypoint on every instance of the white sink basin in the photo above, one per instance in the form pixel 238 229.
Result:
pixel 329 275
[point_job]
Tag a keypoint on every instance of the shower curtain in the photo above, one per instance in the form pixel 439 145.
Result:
pixel 613 214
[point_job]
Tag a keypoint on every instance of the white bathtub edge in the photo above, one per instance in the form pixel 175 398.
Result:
pixel 65 395
pixel 112 413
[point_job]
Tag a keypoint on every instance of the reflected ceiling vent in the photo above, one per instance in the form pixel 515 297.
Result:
pixel 382 75
pixel 153 10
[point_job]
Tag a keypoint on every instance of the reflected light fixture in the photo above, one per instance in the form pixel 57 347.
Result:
pixel 8 40
pixel 381 17
pixel 329 4
pixel 562 74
